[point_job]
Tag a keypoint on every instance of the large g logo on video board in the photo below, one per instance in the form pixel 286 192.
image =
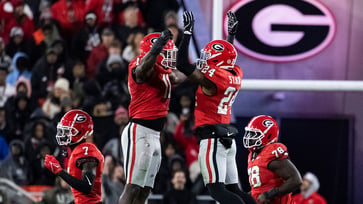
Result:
pixel 282 30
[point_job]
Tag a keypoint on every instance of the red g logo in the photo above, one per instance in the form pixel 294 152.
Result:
pixel 282 30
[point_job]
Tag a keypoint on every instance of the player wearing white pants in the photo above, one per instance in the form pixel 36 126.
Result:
pixel 217 164
pixel 142 154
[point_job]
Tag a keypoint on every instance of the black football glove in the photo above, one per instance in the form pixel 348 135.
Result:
pixel 159 44
pixel 188 20
pixel 232 23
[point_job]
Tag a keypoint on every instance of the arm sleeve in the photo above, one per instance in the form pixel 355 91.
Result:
pixel 183 64
pixel 85 185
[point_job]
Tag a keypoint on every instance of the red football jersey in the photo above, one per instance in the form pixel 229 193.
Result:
pixel 314 198
pixel 78 156
pixel 149 100
pixel 217 109
pixel 261 178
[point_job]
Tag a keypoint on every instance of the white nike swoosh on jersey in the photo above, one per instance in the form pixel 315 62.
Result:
pixel 229 134
pixel 89 182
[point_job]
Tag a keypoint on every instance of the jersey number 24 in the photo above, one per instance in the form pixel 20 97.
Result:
pixel 227 101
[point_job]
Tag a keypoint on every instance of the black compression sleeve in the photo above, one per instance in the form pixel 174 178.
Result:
pixel 85 185
pixel 183 64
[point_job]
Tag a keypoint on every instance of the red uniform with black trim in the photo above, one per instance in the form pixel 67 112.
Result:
pixel 80 154
pixel 217 109
pixel 149 100
pixel 261 178
pixel 314 198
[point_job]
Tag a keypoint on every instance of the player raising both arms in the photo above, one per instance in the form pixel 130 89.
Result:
pixel 85 163
pixel 150 78
pixel 271 174
pixel 219 80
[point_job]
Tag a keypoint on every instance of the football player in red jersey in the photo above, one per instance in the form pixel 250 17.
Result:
pixel 219 80
pixel 150 79
pixel 271 174
pixel 85 162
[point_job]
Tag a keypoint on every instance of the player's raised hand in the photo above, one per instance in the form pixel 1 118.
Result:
pixel 52 164
pixel 165 36
pixel 159 44
pixel 232 23
pixel 188 20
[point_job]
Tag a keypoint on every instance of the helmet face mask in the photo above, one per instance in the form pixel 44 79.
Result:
pixel 202 61
pixel 65 134
pixel 252 138
pixel 168 60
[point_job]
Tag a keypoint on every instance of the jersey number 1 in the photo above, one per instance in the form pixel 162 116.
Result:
pixel 227 101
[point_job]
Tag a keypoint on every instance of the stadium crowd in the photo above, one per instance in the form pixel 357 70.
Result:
pixel 61 55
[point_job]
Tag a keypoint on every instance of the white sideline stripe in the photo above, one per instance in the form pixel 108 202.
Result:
pixel 301 85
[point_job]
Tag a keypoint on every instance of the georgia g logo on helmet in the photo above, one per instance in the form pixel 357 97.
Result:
pixel 80 118
pixel 267 123
pixel 218 47
pixel 153 40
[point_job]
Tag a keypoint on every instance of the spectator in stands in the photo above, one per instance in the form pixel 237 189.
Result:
pixel 40 174
pixel 93 93
pixel 34 139
pixel 18 113
pixel 179 194
pixel 104 127
pixel 20 67
pixel 155 11
pixel 113 146
pixel 15 167
pixel 5 60
pixel 52 104
pixel 171 23
pixel 16 43
pixel 63 59
pixel 184 137
pixel 99 53
pixel 65 105
pixel 6 90
pixel 309 191
pixel 42 40
pixel 177 37
pixel 20 19
pixel 113 180
pixel 103 10
pixel 133 48
pixel 130 24
pixel 4 126
pixel 70 15
pixel 4 148
pixel 60 194
pixel 87 38
pixel 113 67
pixel 77 83
pixel 44 74
pixel 170 159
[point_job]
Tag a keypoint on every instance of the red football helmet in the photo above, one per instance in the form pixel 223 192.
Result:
pixel 74 126
pixel 167 57
pixel 219 53
pixel 260 131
